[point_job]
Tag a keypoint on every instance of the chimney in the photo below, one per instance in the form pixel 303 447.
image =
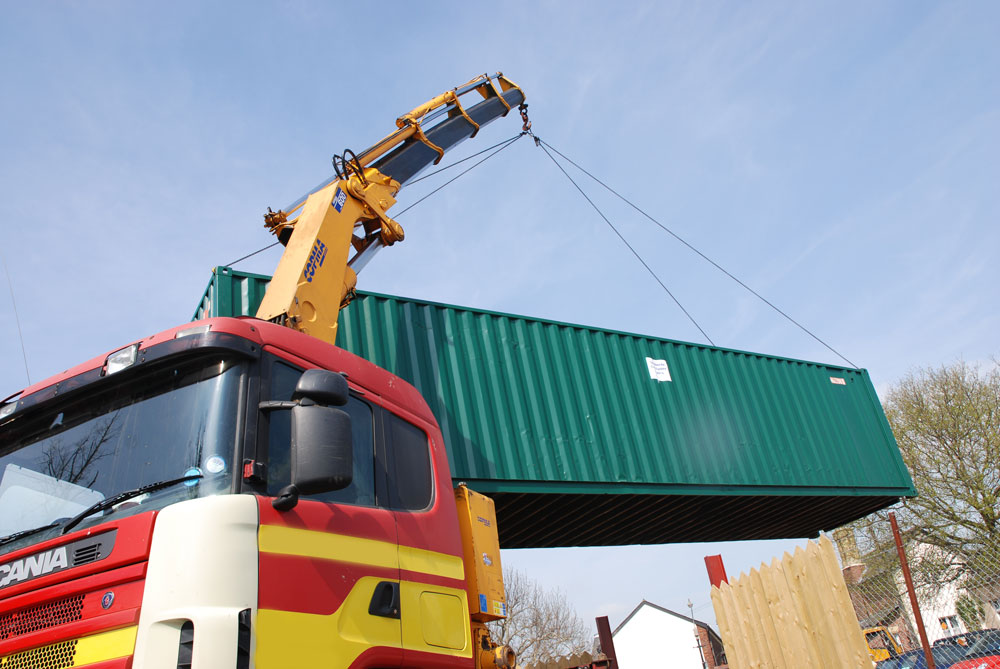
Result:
pixel 850 556
pixel 847 546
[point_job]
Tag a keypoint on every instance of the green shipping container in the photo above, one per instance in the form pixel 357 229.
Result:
pixel 585 436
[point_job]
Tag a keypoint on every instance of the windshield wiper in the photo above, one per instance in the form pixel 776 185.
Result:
pixel 23 533
pixel 105 504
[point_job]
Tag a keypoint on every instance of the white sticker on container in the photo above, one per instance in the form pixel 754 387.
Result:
pixel 837 381
pixel 658 369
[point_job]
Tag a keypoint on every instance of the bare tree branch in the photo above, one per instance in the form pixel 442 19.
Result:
pixel 540 623
pixel 77 463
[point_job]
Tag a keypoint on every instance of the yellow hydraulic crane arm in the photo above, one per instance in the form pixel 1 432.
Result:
pixel 330 234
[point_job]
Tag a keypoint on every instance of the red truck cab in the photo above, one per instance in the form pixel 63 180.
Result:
pixel 139 528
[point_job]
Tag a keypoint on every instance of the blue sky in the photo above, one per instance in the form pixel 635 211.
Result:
pixel 840 158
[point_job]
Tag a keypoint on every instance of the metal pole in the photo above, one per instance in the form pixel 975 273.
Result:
pixel 607 641
pixel 913 594
pixel 697 637
pixel 716 570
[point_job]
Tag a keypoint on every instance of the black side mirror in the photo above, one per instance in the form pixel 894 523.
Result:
pixel 322 455
pixel 322 387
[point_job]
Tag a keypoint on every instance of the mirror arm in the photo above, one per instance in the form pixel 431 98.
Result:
pixel 274 406
pixel 287 498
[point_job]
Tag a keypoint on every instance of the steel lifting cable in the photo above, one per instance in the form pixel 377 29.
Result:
pixel 251 255
pixel 459 162
pixel 702 255
pixel 502 145
pixel 543 145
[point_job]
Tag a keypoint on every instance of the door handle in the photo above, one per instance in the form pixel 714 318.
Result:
pixel 385 600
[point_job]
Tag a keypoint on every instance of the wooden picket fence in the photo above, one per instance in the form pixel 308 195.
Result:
pixel 578 661
pixel 793 613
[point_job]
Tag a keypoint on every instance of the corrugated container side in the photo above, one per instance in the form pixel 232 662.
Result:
pixel 531 401
pixel 563 426
pixel 525 400
pixel 231 293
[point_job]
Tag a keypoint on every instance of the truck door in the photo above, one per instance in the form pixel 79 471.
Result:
pixel 329 568
pixel 435 614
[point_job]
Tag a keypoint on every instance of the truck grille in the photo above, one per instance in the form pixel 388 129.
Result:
pixel 37 618
pixel 56 656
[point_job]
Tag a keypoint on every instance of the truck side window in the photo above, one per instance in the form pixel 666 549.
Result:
pixel 410 483
pixel 362 489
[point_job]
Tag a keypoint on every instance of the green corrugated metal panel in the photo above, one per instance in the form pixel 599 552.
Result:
pixel 564 426
pixel 231 293
pixel 543 406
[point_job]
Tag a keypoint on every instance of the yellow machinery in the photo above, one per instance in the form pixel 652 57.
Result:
pixel 331 233
pixel 477 521
pixel 881 644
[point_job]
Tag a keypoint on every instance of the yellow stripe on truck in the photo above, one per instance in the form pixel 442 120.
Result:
pixel 435 619
pixel 356 550
pixel 105 646
pixel 429 562
pixel 289 639
pixel 307 543
pixel 99 647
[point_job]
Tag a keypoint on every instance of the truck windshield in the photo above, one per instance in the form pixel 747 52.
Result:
pixel 156 424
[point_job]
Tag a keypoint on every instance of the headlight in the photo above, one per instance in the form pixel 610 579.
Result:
pixel 122 359
pixel 200 329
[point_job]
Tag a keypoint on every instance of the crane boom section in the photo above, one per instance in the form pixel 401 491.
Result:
pixel 331 233
pixel 313 279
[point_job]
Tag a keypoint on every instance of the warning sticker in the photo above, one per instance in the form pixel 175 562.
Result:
pixel 837 381
pixel 658 369
pixel 338 200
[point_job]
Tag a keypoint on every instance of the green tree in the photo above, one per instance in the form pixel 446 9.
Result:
pixel 971 612
pixel 947 425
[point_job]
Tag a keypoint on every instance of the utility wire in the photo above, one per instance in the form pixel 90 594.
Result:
pixel 703 256
pixel 251 255
pixel 17 319
pixel 543 145
pixel 502 145
pixel 458 162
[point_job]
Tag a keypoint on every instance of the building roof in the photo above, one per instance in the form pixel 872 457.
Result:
pixel 683 617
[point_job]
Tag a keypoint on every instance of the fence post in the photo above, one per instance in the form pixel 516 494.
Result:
pixel 913 593
pixel 607 641
pixel 716 570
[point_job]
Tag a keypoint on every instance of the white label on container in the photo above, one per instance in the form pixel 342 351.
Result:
pixel 837 381
pixel 658 369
